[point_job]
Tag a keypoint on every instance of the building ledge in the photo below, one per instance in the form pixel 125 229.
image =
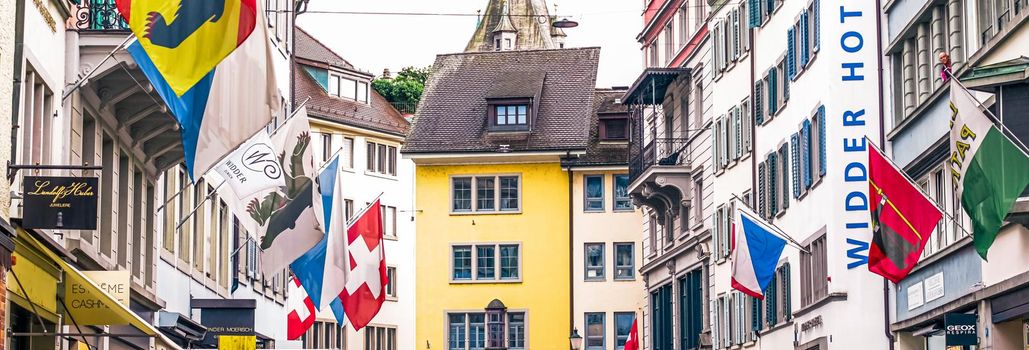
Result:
pixel 832 297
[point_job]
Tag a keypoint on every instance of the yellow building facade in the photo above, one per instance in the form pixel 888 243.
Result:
pixel 539 230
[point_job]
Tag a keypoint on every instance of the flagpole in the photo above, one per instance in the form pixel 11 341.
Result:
pixel 82 80
pixel 364 210
pixel 780 232
pixel 996 120
pixel 197 207
pixel 913 182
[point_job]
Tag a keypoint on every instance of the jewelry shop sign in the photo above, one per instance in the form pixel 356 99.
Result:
pixel 60 202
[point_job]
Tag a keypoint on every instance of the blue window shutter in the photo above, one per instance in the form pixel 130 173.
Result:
pixel 753 8
pixel 770 7
pixel 821 140
pixel 791 52
pixel 770 315
pixel 759 111
pixel 788 309
pixel 805 139
pixel 784 158
pixel 761 170
pixel 795 155
pixel 817 23
pixel 773 96
pixel 805 48
pixel 773 186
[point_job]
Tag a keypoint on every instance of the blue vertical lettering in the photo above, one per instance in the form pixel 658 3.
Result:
pixel 858 253
pixel 853 76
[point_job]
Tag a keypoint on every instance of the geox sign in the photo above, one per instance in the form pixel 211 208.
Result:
pixel 253 167
pixel 56 202
pixel 960 329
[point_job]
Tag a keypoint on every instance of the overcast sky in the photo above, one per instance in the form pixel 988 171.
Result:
pixel 374 42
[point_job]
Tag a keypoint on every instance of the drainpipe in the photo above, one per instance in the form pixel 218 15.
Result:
pixel 753 126
pixel 571 244
pixel 19 56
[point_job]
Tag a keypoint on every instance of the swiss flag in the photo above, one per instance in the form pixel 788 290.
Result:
pixel 633 343
pixel 366 277
pixel 301 311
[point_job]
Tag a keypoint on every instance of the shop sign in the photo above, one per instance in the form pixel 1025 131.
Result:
pixel 934 287
pixel 226 321
pixel 960 329
pixel 915 296
pixel 87 306
pixel 59 202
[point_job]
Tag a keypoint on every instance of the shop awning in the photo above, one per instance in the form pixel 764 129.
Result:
pixel 95 306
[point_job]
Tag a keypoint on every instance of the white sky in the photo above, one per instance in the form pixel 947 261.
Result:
pixel 374 42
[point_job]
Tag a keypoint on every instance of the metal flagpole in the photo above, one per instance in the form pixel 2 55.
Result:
pixel 197 207
pixel 780 232
pixel 82 80
pixel 369 206
pixel 996 120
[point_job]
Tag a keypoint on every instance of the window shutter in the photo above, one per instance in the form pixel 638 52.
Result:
pixel 795 158
pixel 816 22
pixel 785 89
pixel 791 52
pixel 821 140
pixel 755 314
pixel 761 171
pixel 773 97
pixel 773 186
pixel 738 118
pixel 730 132
pixel 748 124
pixel 759 115
pixel 805 139
pixel 736 34
pixel 805 48
pixel 769 7
pixel 715 334
pixel 716 238
pixel 753 10
pixel 784 158
pixel 786 292
pixel 770 295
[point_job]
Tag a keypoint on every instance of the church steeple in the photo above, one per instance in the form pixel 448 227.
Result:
pixel 526 23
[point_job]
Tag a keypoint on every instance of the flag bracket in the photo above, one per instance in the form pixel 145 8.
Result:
pixel 12 169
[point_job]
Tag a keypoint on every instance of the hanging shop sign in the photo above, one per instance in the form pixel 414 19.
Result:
pixel 961 329
pixel 228 321
pixel 85 303
pixel 60 202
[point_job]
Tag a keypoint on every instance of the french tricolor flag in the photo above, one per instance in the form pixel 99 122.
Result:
pixel 755 254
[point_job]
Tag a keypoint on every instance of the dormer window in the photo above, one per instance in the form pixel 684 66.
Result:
pixel 614 127
pixel 345 87
pixel 510 115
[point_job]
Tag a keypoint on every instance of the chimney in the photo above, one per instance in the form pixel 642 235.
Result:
pixel 386 74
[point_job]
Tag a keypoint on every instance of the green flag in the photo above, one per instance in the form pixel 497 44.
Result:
pixel 990 171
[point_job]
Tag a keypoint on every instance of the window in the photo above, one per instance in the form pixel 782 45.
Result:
pixel 669 44
pixel 382 159
pixel 625 261
pixel 916 67
pixel 344 87
pixel 622 201
pixel 511 114
pixel 467 331
pixel 698 196
pixel 747 127
pixel 614 128
pixel 348 206
pixel 594 331
pixel 594 261
pixel 380 338
pixel 937 186
pixel 623 325
pixel 391 284
pixel 484 198
pixel 486 262
pixel 684 21
pixel 661 317
pixel 328 335
pixel 326 147
pixel 346 154
pixel 389 221
pixel 723 221
pixel 784 172
pixel 691 308
pixel 653 54
pixel 814 284
pixel 594 193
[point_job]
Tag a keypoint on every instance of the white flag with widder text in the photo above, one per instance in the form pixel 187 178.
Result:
pixel 253 167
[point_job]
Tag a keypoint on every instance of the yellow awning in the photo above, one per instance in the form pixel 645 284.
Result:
pixel 106 307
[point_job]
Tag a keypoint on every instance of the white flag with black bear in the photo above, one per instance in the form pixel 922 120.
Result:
pixel 252 167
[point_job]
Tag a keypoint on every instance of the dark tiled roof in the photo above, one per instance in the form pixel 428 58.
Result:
pixel 307 47
pixel 452 114
pixel 517 84
pixel 379 116
pixel 605 153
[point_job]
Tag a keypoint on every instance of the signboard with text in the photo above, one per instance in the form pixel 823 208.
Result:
pixel 85 304
pixel 60 202
pixel 961 329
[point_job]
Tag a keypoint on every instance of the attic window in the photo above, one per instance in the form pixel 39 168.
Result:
pixel 340 86
pixel 510 115
pixel 614 127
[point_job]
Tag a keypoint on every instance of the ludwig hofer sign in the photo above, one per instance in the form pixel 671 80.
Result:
pixel 56 202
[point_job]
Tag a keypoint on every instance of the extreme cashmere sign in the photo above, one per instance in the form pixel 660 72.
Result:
pixel 55 202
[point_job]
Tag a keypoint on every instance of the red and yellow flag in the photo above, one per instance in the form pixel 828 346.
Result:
pixel 186 39
pixel 903 218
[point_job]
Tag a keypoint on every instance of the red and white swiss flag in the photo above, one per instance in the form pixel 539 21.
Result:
pixel 366 277
pixel 301 311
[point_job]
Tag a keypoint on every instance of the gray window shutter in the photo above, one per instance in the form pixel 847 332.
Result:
pixel 738 126
pixel 773 96
pixel 795 158
pixel 762 170
pixel 773 185
pixel 759 115
pixel 784 158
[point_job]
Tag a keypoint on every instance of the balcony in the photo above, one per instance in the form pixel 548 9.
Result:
pixel 660 176
pixel 99 15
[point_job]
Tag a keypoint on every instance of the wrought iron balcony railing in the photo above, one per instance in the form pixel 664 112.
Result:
pixel 662 151
pixel 99 15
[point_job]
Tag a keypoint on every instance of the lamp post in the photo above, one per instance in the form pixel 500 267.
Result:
pixel 575 339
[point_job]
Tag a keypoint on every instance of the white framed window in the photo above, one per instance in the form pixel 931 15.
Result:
pixel 389 221
pixel 380 338
pixel 485 193
pixel 382 158
pixel 391 284
pixel 486 262
pixel 467 330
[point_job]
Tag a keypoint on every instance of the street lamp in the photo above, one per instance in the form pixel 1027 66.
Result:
pixel 575 339
pixel 565 23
